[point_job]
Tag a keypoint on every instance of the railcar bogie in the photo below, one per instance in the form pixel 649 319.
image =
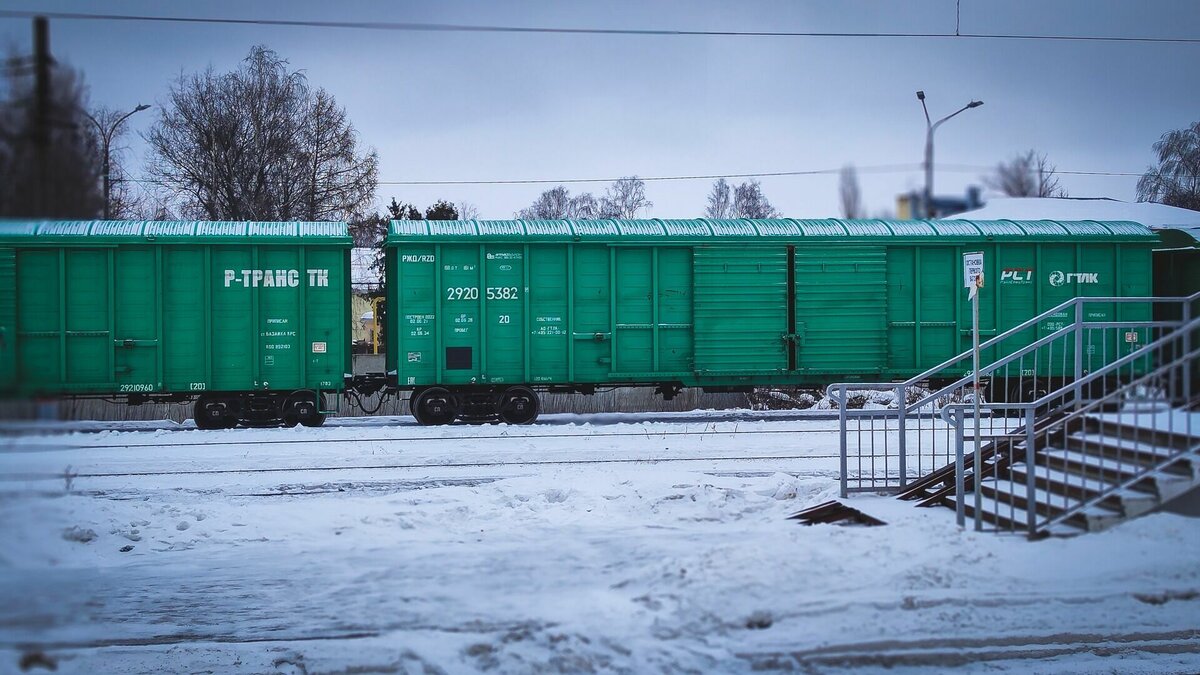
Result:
pixel 517 404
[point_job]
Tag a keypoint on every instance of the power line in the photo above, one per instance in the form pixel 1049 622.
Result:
pixel 880 168
pixel 969 168
pixel 883 168
pixel 654 32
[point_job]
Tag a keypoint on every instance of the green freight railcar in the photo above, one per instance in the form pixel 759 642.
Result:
pixel 484 314
pixel 250 319
pixel 1177 263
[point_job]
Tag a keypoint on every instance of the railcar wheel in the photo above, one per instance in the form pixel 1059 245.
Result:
pixel 518 405
pixel 212 413
pixel 317 418
pixel 303 407
pixel 1029 390
pixel 434 406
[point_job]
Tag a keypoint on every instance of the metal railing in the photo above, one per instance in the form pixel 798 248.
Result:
pixel 1080 449
pixel 892 433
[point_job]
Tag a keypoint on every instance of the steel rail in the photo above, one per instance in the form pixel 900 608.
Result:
pixel 456 465
pixel 302 441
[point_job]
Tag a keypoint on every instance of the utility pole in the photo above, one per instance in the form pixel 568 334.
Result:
pixel 106 136
pixel 41 109
pixel 931 127
pixel 41 85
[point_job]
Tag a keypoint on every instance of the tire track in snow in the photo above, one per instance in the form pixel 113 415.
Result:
pixel 957 652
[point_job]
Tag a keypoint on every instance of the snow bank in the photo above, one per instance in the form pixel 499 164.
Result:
pixel 664 561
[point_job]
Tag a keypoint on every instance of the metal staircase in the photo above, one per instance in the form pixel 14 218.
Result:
pixel 1103 434
pixel 1129 446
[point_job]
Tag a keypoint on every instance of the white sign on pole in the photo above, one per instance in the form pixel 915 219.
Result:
pixel 973 270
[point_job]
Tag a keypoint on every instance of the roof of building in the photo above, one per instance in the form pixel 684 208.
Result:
pixel 1150 214
pixel 783 228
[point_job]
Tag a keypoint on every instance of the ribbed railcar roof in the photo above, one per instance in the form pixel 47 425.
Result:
pixel 181 231
pixel 779 228
pixel 1180 236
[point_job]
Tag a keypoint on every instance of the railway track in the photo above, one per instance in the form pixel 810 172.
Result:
pixel 392 421
pixel 13 477
pixel 422 439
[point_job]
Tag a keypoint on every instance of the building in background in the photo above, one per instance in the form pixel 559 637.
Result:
pixel 1150 214
pixel 911 205
pixel 367 282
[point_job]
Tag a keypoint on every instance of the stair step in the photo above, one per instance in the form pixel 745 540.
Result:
pixel 1121 449
pixel 1116 506
pixel 1010 518
pixel 1167 429
pixel 1093 466
pixel 1003 492
pixel 1098 467
pixel 1075 486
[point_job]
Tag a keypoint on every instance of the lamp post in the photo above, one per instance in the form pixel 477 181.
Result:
pixel 929 129
pixel 106 136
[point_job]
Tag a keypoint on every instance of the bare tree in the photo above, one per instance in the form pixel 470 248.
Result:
pixel 468 211
pixel 369 231
pixel 259 144
pixel 584 206
pixel 850 193
pixel 1028 174
pixel 57 178
pixel 720 201
pixel 1176 179
pixel 151 206
pixel 550 205
pixel 625 198
pixel 124 200
pixel 338 180
pixel 750 202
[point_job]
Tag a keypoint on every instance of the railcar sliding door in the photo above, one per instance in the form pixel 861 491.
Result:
pixel 741 310
pixel 841 306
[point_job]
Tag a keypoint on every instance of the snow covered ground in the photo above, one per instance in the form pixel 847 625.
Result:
pixel 587 544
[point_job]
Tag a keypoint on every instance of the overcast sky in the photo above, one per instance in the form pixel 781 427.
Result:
pixel 470 106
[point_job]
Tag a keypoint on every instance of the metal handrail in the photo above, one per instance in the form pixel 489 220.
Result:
pixel 1038 344
pixel 1139 353
pixel 904 411
pixel 991 342
pixel 956 414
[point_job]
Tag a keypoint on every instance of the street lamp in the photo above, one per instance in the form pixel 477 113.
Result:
pixel 105 139
pixel 929 129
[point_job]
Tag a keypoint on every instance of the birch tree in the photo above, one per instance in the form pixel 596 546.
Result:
pixel 1175 180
